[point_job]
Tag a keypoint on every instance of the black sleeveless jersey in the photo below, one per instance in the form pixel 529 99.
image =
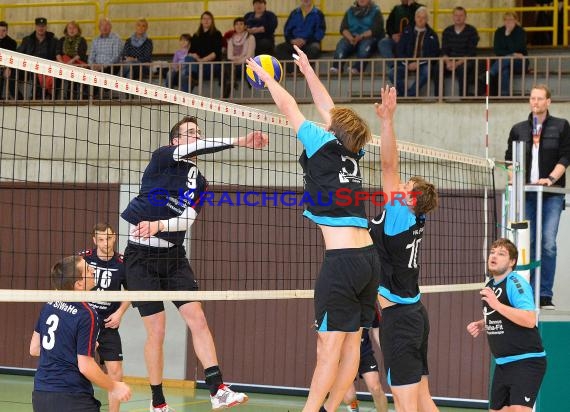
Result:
pixel 171 183
pixel 331 175
pixel 508 341
pixel 397 233
pixel 109 275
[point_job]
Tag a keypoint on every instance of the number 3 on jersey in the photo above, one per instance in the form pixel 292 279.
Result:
pixel 48 341
pixel 415 246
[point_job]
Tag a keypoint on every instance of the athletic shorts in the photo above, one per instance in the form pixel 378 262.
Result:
pixel 109 348
pixel 367 364
pixel 64 401
pixel 346 289
pixel 155 268
pixel 517 383
pixel 404 342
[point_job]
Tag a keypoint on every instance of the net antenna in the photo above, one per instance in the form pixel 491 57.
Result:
pixel 66 165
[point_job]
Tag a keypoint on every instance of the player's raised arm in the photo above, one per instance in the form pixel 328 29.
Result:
pixel 320 94
pixel 284 101
pixel 388 146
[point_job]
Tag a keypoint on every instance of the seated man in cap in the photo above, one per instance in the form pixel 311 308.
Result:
pixel 41 43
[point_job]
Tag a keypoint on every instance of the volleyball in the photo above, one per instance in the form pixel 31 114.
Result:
pixel 270 64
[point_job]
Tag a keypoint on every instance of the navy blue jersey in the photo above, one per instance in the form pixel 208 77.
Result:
pixel 397 233
pixel 66 330
pixel 109 275
pixel 508 341
pixel 171 183
pixel 332 178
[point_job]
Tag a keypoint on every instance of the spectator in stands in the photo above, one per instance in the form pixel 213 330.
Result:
pixel 418 42
pixel 262 24
pixel 361 28
pixel 72 47
pixel 106 49
pixel 206 46
pixel 41 43
pixel 305 28
pixel 460 40
pixel 136 52
pixel 177 60
pixel 401 16
pixel 241 46
pixel 510 43
pixel 7 75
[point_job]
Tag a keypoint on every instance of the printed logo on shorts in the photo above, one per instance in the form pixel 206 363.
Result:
pixel 526 399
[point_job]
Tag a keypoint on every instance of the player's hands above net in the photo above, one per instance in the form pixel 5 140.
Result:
pixel 387 107
pixel 301 60
pixel 260 71
pixel 253 140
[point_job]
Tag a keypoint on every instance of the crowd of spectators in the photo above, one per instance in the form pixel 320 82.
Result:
pixel 406 41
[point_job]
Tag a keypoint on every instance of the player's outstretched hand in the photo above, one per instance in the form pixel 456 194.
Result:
pixel 146 229
pixel 260 71
pixel 121 391
pixel 475 328
pixel 253 140
pixel 301 60
pixel 387 107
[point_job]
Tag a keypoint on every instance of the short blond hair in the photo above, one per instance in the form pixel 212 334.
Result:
pixel 349 128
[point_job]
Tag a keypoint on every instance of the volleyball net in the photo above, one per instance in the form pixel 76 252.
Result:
pixel 68 163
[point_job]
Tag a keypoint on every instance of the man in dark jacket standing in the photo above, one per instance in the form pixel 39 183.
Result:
pixel 419 41
pixel 547 141
pixel 8 43
pixel 41 43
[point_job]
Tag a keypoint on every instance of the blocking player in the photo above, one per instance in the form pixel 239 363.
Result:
pixel 109 272
pixel 509 319
pixel 64 338
pixel 155 257
pixel 345 289
pixel 397 233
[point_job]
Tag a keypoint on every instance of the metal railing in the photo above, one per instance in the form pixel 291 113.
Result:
pixel 220 80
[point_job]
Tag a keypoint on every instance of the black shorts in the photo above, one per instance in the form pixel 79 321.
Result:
pixel 154 268
pixel 346 289
pixel 367 364
pixel 74 402
pixel 109 348
pixel 404 342
pixel 517 383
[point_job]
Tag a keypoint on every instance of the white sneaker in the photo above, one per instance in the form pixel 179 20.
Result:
pixel 165 408
pixel 226 398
